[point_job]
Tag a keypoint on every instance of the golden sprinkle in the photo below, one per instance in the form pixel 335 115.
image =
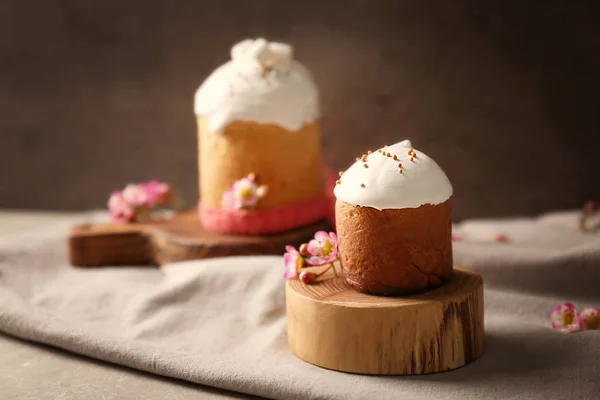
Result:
pixel 400 170
pixel 365 165
pixel 379 151
pixel 357 158
pixel 395 157
pixel 412 159
pixel 338 182
pixel 364 158
pixel 341 173
pixel 399 165
pixel 369 152
pixel 362 185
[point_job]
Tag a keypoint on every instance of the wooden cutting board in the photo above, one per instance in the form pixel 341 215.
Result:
pixel 178 239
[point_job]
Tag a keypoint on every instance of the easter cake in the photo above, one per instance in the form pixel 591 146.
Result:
pixel 393 218
pixel 259 143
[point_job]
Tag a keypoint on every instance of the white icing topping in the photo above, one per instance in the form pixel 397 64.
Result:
pixel 262 83
pixel 422 181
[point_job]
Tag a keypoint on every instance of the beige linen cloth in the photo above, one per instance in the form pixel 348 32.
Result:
pixel 221 322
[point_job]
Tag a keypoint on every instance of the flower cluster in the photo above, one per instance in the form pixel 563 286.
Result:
pixel 140 199
pixel 566 318
pixel 244 194
pixel 322 250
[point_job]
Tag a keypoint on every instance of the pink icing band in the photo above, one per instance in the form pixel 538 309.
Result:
pixel 271 220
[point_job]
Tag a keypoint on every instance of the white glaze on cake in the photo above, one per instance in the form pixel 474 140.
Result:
pixel 262 83
pixel 422 181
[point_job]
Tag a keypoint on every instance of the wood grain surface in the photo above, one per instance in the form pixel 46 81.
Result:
pixel 335 327
pixel 179 239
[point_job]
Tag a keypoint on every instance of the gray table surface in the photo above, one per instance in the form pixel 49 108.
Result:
pixel 33 371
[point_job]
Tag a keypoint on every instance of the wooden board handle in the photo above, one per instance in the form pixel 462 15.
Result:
pixel 179 239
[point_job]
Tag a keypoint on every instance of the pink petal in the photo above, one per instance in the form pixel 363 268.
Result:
pixel 333 237
pixel 251 202
pixel 237 205
pixel 227 200
pixel 590 311
pixel 322 235
pixel 557 310
pixel 289 274
pixel 314 247
pixel 289 260
pixel 262 191
pixel 113 200
pixel 290 249
pixel 314 260
pixel 243 183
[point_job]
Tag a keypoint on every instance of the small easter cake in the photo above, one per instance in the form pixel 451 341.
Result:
pixel 393 218
pixel 260 163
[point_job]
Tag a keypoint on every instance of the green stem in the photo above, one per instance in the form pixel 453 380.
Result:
pixel 334 271
pixel 322 272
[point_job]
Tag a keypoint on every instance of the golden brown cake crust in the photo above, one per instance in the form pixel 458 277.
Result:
pixel 392 252
pixel 289 163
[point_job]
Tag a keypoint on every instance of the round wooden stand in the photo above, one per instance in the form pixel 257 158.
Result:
pixel 335 327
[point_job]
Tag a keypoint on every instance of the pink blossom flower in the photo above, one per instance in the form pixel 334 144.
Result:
pixel 323 248
pixel 565 318
pixel 590 318
pixel 135 195
pixel 139 201
pixel 244 194
pixel 293 262
pixel 157 193
pixel 119 208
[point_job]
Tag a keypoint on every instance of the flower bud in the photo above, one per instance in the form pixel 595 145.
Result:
pixel 304 250
pixel 307 277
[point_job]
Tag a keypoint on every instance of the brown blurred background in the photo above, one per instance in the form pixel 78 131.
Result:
pixel 504 95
